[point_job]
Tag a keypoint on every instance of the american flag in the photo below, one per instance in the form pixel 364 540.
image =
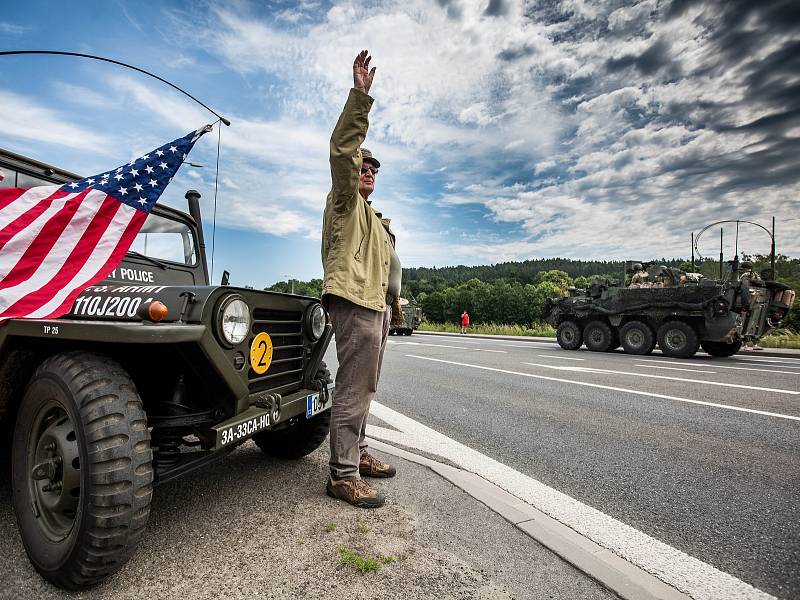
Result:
pixel 57 240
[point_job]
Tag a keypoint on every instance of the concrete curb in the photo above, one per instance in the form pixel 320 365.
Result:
pixel 777 352
pixel 616 574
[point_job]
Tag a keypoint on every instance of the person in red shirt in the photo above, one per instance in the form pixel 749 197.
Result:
pixel 464 322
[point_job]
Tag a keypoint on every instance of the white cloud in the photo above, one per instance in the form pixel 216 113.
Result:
pixel 23 117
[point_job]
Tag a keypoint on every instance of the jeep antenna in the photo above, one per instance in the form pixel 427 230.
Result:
pixel 161 79
pixel 115 62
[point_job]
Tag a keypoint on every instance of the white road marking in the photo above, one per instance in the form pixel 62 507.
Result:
pixel 609 387
pixel 674 368
pixel 760 363
pixel 435 345
pixel 446 346
pixel 784 362
pixel 716 366
pixel 690 575
pixel 651 376
pixel 559 357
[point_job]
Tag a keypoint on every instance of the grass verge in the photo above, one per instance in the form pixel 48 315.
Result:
pixel 537 329
pixel 363 564
pixel 776 339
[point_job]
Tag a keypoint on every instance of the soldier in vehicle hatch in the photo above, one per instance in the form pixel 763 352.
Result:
pixel 361 290
pixel 639 274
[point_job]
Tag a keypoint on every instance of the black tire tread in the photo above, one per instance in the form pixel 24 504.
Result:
pixel 606 329
pixel 120 464
pixel 576 343
pixel 651 343
pixel 692 341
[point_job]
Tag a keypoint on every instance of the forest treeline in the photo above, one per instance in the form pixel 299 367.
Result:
pixel 514 292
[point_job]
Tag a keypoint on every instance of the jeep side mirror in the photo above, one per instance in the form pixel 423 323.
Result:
pixel 226 277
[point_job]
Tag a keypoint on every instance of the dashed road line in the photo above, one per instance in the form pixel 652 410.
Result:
pixel 716 366
pixel 609 387
pixel 559 357
pixel 674 368
pixel 669 378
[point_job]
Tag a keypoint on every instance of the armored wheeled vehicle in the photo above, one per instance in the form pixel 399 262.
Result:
pixel 153 373
pixel 679 313
pixel 412 317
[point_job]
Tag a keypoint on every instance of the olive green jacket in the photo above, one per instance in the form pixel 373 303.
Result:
pixel 355 239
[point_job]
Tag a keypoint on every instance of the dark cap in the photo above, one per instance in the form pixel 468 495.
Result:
pixel 366 156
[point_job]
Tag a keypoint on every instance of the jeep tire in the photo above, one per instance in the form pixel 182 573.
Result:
pixel 598 336
pixel 678 339
pixel 302 437
pixel 637 338
pixel 82 473
pixel 569 335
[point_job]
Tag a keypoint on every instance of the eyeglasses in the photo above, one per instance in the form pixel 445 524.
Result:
pixel 365 168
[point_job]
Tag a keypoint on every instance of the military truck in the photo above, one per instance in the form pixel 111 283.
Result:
pixel 679 313
pixel 412 316
pixel 153 373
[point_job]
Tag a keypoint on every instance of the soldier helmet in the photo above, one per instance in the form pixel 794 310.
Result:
pixel 746 265
pixel 637 266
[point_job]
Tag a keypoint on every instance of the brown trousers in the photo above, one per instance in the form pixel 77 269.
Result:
pixel 360 342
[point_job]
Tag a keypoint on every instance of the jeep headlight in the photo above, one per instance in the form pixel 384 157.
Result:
pixel 234 320
pixel 316 321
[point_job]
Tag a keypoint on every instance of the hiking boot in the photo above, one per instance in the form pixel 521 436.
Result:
pixel 356 492
pixel 369 466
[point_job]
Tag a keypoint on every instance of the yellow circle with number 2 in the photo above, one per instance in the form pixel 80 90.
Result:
pixel 261 353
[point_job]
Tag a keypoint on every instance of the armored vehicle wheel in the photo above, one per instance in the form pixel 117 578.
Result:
pixel 569 335
pixel 408 331
pixel 721 348
pixel 677 339
pixel 301 438
pixel 598 336
pixel 637 338
pixel 82 472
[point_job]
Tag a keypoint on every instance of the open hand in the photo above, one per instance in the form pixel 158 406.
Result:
pixel 362 75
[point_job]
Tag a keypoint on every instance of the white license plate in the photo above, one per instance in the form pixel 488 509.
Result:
pixel 243 430
pixel 314 405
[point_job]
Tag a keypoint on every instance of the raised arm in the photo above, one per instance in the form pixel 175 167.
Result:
pixel 349 134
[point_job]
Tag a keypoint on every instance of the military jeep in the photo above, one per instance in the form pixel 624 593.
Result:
pixel 412 317
pixel 153 373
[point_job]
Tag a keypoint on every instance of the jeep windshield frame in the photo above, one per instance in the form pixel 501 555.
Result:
pixel 21 171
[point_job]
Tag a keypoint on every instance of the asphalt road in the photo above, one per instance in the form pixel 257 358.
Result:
pixel 720 484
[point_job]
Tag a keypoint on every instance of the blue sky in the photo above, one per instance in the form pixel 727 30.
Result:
pixel 506 130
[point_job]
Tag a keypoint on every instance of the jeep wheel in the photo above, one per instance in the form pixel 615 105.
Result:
pixel 677 339
pixel 598 336
pixel 637 338
pixel 721 348
pixel 301 438
pixel 569 336
pixel 82 472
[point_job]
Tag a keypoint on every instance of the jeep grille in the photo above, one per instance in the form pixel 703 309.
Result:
pixel 285 328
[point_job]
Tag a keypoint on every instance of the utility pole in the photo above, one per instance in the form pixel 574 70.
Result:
pixel 291 283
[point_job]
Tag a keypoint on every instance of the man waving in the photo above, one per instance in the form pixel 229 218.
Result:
pixel 361 284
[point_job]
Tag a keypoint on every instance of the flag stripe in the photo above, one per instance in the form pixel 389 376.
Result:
pixel 20 200
pixel 71 293
pixel 37 257
pixel 24 220
pixel 15 248
pixel 73 262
